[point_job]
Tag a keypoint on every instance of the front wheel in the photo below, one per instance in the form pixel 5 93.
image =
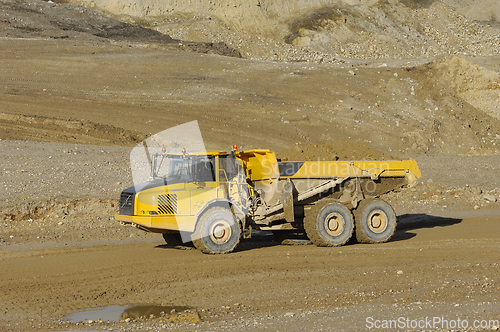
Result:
pixel 217 232
pixel 329 225
pixel 375 221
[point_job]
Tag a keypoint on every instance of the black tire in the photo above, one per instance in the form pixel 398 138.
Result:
pixel 375 221
pixel 175 241
pixel 329 225
pixel 217 232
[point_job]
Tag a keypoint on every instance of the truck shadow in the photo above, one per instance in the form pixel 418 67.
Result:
pixel 260 240
pixel 405 224
pixel 408 222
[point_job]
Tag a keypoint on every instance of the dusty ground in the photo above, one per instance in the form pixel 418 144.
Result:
pixel 448 267
pixel 79 89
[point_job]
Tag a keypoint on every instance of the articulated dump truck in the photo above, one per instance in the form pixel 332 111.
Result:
pixel 211 200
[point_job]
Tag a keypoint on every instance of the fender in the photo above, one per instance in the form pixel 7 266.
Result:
pixel 220 202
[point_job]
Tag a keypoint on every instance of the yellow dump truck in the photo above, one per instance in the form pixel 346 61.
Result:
pixel 212 198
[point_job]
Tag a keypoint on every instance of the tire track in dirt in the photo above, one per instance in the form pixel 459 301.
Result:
pixel 47 129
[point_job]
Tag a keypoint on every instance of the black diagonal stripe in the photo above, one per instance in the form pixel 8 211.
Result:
pixel 167 204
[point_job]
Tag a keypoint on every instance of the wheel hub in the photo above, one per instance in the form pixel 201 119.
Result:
pixel 377 221
pixel 220 232
pixel 334 224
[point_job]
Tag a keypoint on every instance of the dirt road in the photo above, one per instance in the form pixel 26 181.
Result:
pixel 448 268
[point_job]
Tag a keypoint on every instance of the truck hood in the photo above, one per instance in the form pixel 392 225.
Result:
pixel 152 184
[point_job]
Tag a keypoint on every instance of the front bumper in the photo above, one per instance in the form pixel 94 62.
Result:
pixel 158 224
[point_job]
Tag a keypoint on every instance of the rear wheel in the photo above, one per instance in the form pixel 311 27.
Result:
pixel 217 232
pixel 329 225
pixel 375 221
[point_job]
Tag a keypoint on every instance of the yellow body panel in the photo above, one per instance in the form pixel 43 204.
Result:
pixel 190 197
pixel 259 164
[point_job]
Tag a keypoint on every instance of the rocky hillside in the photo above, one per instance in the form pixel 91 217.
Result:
pixel 435 104
pixel 323 28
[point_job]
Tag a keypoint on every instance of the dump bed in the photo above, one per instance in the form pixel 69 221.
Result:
pixel 306 181
pixel 262 165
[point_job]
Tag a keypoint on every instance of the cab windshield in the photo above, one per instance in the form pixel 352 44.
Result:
pixel 192 168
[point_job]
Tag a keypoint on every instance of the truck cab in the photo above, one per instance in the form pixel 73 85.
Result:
pixel 189 185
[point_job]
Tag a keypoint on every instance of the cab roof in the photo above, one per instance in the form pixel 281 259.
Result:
pixel 211 153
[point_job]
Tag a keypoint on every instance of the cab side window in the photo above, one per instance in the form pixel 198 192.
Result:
pixel 205 170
